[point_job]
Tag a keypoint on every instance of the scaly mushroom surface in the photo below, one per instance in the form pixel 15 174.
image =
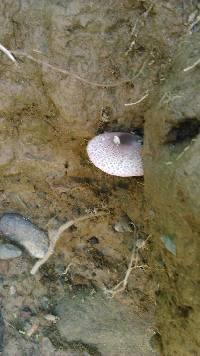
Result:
pixel 117 153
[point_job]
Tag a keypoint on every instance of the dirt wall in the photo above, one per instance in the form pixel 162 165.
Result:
pixel 172 184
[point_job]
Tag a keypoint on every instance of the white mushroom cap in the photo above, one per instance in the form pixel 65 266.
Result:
pixel 116 153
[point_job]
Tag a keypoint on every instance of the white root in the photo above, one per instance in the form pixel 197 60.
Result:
pixel 192 66
pixel 133 264
pixel 8 53
pixel 54 236
pixel 138 101
pixel 76 76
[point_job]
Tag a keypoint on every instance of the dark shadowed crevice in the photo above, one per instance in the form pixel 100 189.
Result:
pixel 186 130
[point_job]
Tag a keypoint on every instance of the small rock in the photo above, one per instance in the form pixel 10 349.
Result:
pixel 123 225
pixel 111 327
pixel 44 303
pixel 52 318
pixel 60 269
pixel 8 251
pixel 169 242
pixel 20 230
pixel 139 243
pixel 13 291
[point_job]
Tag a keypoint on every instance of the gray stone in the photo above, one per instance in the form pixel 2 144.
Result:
pixel 8 251
pixel 114 329
pixel 123 225
pixel 20 230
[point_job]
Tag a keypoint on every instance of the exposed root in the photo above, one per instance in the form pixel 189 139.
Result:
pixel 147 12
pixel 192 66
pixel 138 101
pixel 54 236
pixel 133 264
pixel 168 98
pixel 8 53
pixel 76 76
pixel 68 268
pixel 185 149
pixel 196 21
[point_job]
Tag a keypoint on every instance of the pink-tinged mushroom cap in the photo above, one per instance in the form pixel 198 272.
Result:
pixel 116 153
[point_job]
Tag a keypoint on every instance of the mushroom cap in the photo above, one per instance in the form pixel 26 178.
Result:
pixel 117 153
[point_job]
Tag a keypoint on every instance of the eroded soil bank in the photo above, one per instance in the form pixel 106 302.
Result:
pixel 79 63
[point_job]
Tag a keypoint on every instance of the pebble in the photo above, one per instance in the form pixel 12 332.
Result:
pixel 169 242
pixel 13 291
pixel 52 318
pixel 123 225
pixel 8 251
pixel 20 230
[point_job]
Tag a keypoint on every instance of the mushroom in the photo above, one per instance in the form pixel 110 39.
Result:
pixel 117 153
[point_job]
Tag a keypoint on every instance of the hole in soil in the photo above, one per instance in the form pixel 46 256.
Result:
pixel 139 131
pixel 184 311
pixel 187 129
pixel 93 240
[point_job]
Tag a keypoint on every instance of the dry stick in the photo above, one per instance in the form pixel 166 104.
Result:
pixel 54 236
pixel 76 76
pixel 8 53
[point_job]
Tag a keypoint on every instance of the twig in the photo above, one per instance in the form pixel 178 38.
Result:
pixel 192 66
pixel 138 101
pixel 54 236
pixel 8 53
pixel 76 76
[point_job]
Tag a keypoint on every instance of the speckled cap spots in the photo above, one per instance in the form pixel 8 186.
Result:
pixel 116 153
